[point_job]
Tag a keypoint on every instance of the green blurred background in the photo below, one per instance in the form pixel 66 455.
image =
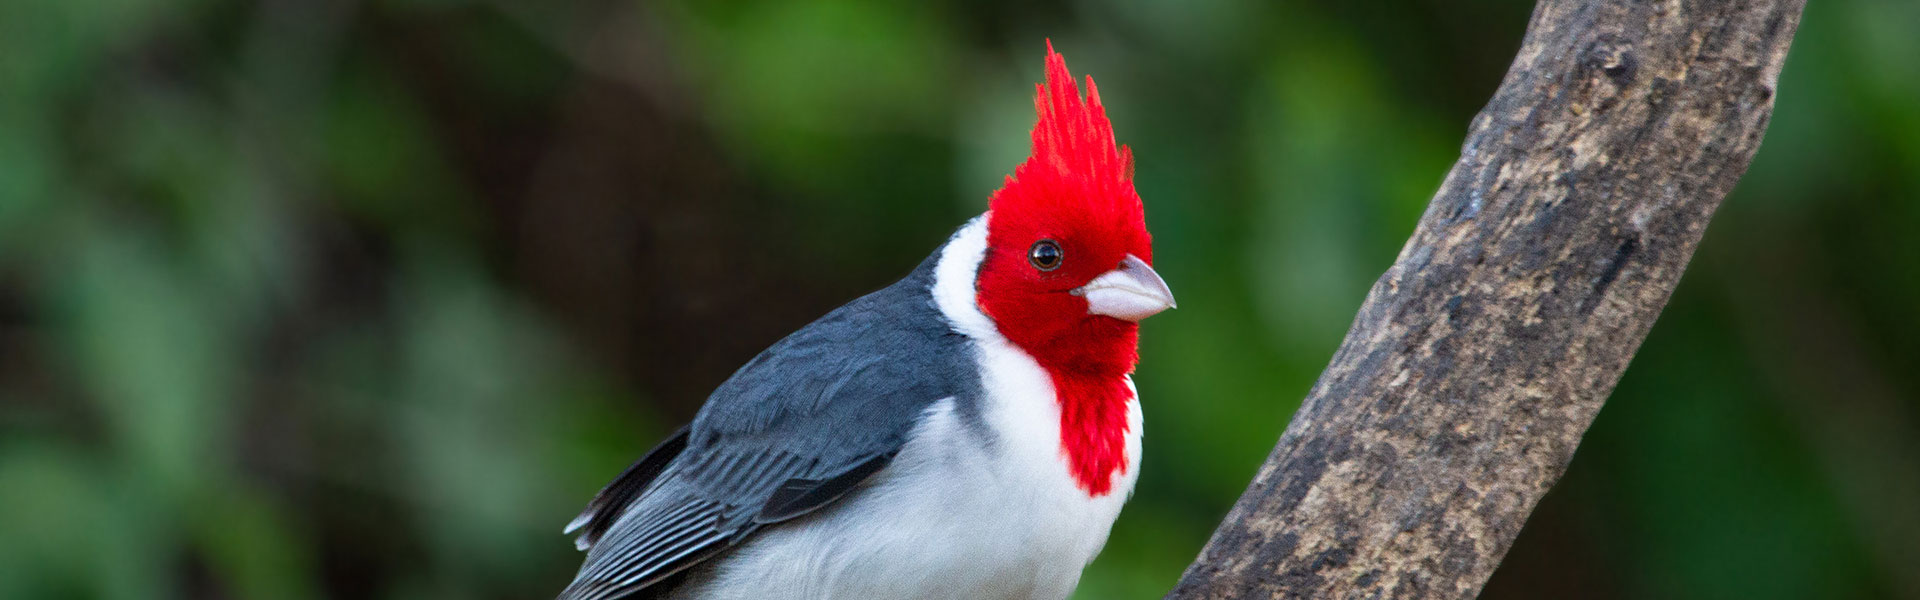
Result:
pixel 341 299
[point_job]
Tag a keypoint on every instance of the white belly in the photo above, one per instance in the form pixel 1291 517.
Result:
pixel 953 517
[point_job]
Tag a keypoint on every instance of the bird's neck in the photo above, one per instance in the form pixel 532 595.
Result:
pixel 1093 427
pixel 1088 361
pixel 1090 382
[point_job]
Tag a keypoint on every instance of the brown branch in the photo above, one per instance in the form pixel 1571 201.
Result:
pixel 1479 359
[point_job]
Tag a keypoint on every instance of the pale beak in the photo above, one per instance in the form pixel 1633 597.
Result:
pixel 1131 292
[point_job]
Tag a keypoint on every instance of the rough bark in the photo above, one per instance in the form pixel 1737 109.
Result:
pixel 1479 359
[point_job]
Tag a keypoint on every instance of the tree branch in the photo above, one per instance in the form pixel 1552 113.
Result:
pixel 1479 359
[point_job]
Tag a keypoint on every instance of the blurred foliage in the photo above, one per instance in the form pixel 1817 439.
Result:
pixel 363 299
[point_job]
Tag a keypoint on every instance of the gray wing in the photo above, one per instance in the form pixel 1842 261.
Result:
pixel 796 429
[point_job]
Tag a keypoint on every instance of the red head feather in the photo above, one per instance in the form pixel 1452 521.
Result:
pixel 1075 190
pixel 1074 140
pixel 1076 171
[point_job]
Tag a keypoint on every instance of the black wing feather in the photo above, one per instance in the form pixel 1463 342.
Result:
pixel 797 497
pixel 607 505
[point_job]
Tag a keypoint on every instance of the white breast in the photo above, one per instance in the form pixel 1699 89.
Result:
pixel 955 516
pixel 980 510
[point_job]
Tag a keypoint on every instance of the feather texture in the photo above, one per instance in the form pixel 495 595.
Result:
pixel 797 428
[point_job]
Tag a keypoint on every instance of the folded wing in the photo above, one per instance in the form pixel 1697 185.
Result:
pixel 793 431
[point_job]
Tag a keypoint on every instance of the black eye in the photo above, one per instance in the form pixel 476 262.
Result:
pixel 1045 255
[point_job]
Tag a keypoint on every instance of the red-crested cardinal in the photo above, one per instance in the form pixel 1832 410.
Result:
pixel 967 433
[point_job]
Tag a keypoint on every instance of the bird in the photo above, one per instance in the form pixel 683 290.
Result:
pixel 968 432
